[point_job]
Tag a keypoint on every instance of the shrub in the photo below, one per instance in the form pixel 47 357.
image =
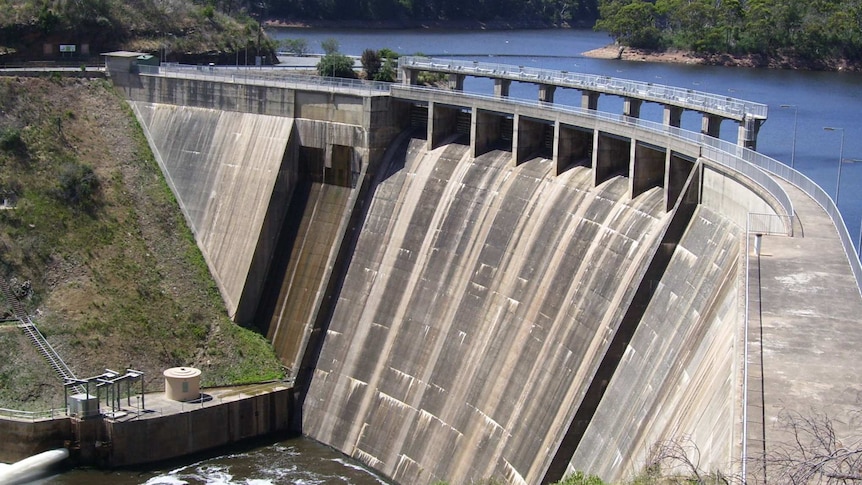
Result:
pixel 387 72
pixel 79 186
pixel 579 478
pixel 387 53
pixel 11 141
pixel 336 65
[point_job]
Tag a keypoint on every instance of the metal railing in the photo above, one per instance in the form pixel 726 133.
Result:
pixel 19 415
pixel 271 77
pixel 687 98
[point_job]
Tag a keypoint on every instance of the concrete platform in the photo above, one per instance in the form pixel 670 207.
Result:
pixel 156 405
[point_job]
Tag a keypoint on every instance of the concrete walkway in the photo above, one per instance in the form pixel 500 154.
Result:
pixel 806 306
pixel 156 405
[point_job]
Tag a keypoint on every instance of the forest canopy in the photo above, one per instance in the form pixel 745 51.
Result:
pixel 799 29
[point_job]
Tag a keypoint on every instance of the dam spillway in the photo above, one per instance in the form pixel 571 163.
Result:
pixel 461 308
pixel 478 298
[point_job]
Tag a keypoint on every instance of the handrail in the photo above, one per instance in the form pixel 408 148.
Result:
pixel 732 107
pixel 21 415
pixel 273 77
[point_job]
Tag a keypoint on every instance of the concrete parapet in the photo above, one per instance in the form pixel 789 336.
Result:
pixel 733 195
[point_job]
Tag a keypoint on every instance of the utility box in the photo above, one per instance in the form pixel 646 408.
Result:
pixel 83 405
pixel 182 384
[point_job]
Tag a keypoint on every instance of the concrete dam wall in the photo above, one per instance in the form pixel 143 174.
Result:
pixel 479 303
pixel 451 317
pixel 224 169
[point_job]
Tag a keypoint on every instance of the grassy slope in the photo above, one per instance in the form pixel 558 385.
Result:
pixel 117 279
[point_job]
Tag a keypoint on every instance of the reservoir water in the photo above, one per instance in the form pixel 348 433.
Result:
pixel 813 101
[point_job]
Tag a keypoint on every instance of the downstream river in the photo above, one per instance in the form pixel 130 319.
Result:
pixel 812 101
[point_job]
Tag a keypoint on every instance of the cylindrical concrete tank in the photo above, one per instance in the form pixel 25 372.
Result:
pixel 182 383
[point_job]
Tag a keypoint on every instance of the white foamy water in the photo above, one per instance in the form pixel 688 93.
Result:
pixel 297 461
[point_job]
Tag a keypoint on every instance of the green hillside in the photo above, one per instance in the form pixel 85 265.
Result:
pixel 95 244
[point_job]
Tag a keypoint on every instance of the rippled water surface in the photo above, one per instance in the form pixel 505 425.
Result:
pixel 291 461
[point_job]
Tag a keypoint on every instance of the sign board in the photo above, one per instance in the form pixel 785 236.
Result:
pixel 67 47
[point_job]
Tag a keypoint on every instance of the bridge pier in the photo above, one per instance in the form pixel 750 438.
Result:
pixel 711 125
pixel 748 130
pixel 409 77
pixel 672 116
pixel 501 87
pixel 632 107
pixel 590 100
pixel 546 93
pixel 456 82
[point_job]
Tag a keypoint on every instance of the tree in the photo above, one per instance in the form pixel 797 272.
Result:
pixel 371 63
pixel 387 72
pixel 297 47
pixel 817 454
pixel 330 46
pixel 631 22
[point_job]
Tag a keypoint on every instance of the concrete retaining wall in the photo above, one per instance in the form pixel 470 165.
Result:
pixel 132 442
pixel 107 443
pixel 21 439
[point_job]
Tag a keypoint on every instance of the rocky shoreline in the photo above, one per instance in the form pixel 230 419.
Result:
pixel 615 51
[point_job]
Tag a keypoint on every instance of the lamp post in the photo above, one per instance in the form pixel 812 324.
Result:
pixel 795 119
pixel 840 160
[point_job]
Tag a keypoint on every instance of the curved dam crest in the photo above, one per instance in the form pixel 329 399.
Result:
pixel 479 298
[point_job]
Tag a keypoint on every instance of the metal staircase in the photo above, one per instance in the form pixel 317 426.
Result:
pixel 37 338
